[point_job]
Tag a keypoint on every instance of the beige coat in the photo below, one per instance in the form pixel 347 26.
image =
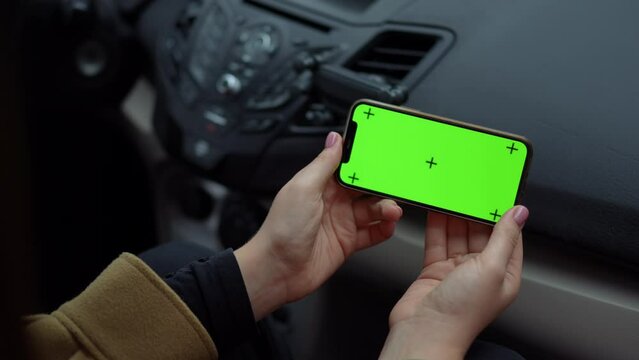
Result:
pixel 128 312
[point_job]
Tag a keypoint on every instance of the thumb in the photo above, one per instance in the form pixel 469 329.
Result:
pixel 506 235
pixel 317 173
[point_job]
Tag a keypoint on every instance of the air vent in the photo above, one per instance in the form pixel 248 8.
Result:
pixel 392 54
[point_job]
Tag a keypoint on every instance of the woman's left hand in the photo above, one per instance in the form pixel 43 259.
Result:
pixel 313 225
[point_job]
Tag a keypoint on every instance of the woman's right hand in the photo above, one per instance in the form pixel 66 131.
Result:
pixel 469 277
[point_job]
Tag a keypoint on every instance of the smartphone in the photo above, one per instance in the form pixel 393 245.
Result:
pixel 433 162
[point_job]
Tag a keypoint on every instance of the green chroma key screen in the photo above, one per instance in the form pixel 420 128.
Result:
pixel 459 170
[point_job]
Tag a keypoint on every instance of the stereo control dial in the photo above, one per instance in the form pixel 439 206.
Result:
pixel 257 44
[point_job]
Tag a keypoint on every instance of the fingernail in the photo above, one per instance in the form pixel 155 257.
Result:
pixel 520 215
pixel 401 211
pixel 331 139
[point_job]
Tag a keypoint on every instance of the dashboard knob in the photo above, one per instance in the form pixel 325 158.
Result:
pixel 257 44
pixel 262 41
pixel 229 84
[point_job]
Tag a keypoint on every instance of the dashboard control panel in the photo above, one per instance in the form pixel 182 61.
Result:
pixel 236 78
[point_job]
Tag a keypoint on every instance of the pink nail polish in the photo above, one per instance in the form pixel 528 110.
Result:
pixel 331 139
pixel 520 215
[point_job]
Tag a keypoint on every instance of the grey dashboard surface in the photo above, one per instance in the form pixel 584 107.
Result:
pixel 564 75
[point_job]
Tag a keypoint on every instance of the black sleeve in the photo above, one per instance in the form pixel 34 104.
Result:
pixel 214 290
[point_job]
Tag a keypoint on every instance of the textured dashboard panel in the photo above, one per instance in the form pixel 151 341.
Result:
pixel 563 75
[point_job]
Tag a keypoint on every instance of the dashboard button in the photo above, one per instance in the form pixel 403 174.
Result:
pixel 256 125
pixel 215 118
pixel 318 115
pixel 229 84
pixel 200 152
pixel 269 101
pixel 235 67
pixel 279 99
pixel 248 73
pixel 257 44
pixel 304 81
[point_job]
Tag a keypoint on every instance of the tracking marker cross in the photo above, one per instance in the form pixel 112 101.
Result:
pixel 353 178
pixel 495 215
pixel 512 148
pixel 431 162
pixel 368 113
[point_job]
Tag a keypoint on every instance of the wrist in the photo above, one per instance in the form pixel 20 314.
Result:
pixel 263 277
pixel 421 339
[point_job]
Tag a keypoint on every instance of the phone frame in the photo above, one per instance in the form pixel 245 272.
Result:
pixel 348 143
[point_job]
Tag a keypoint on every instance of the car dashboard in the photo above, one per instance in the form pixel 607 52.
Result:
pixel 241 93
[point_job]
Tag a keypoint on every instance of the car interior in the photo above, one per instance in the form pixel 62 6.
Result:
pixel 158 121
